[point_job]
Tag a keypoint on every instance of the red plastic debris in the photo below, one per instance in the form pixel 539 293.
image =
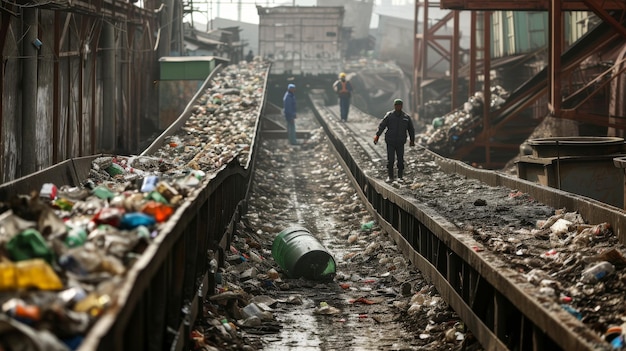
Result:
pixel 364 301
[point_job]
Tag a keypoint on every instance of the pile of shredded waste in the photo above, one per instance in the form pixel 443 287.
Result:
pixel 446 133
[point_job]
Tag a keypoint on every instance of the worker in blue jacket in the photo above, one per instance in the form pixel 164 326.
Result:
pixel 398 125
pixel 289 109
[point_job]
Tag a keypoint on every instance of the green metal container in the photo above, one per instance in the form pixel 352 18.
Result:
pixel 300 254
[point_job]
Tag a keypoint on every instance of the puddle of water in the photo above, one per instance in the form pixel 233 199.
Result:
pixel 298 333
pixel 301 328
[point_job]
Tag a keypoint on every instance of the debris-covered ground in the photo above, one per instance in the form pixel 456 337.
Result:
pixel 376 301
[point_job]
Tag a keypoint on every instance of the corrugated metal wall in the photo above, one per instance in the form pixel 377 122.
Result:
pixel 301 40
pixel 89 88
pixel 521 32
pixel 518 32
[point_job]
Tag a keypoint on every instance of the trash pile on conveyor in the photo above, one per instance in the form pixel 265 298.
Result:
pixel 66 249
pixel 231 106
pixel 446 133
pixel 575 266
pixel 572 268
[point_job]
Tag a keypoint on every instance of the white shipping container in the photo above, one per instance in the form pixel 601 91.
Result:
pixel 301 40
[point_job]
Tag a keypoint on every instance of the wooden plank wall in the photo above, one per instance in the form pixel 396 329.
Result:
pixel 69 86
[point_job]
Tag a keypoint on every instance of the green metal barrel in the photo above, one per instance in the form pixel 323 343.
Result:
pixel 300 254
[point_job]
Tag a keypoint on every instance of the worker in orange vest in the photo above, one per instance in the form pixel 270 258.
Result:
pixel 343 88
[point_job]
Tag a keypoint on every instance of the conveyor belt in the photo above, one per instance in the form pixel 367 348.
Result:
pixel 497 303
pixel 162 293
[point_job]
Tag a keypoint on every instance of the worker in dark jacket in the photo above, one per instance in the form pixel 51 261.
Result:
pixel 289 109
pixel 398 125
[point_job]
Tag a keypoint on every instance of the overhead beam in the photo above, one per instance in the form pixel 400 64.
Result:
pixel 529 5
pixel 427 40
pixel 606 17
pixel 111 9
pixel 616 122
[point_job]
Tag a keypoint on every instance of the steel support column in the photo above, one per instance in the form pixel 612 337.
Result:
pixel 487 80
pixel 454 61
pixel 473 45
pixel 556 44
pixel 416 92
pixel 429 40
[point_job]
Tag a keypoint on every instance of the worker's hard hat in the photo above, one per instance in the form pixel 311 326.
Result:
pixel 342 75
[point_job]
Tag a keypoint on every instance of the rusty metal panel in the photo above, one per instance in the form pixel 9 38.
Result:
pixel 592 176
pixel 70 172
pixel 580 165
pixel 173 98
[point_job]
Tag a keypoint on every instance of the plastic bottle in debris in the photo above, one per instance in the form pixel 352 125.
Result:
pixel 135 219
pixel 63 204
pixel 48 191
pixel 614 335
pixel 157 196
pixel 23 312
pixel 94 304
pixel 574 312
pixel 168 191
pixel 149 184
pixel 80 261
pixel 597 272
pixel 76 237
pixel 189 181
pixel 367 226
pixel 226 325
pixel 160 211
pixel 72 295
pixel 618 342
pixel 198 174
pixel 115 169
pixel 103 192
pixel 109 215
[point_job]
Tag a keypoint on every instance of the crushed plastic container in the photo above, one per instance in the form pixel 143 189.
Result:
pixel 300 254
pixel 597 272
